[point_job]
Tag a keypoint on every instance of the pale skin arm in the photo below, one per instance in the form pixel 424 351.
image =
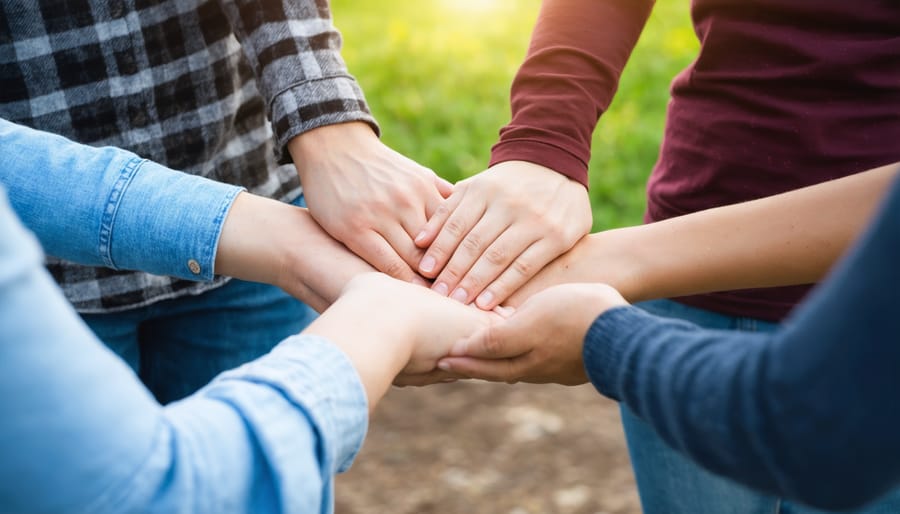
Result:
pixel 787 239
pixel 366 195
pixel 410 329
pixel 267 241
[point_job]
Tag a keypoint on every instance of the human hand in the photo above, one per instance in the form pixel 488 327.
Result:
pixel 541 342
pixel 367 196
pixel 499 228
pixel 428 322
pixel 264 240
pixel 386 327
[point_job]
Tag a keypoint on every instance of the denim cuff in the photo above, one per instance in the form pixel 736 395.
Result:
pixel 165 222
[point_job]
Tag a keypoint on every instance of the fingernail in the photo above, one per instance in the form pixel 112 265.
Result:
pixel 441 289
pixel 427 264
pixel 484 299
pixel 460 295
pixel 420 237
pixel 443 366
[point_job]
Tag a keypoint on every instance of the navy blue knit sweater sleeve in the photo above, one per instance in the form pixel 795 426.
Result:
pixel 809 412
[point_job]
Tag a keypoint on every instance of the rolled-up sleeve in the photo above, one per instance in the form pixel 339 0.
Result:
pixel 294 50
pixel 108 207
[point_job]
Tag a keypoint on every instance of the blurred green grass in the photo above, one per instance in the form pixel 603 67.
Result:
pixel 437 73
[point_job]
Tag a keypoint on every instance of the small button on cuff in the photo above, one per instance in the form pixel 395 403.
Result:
pixel 194 266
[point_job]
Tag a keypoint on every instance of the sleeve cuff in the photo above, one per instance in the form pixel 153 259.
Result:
pixel 544 154
pixel 336 99
pixel 174 218
pixel 606 347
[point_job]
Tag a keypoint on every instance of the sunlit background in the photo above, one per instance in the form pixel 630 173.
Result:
pixel 437 75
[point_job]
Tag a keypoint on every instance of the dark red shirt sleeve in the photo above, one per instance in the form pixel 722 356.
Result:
pixel 577 53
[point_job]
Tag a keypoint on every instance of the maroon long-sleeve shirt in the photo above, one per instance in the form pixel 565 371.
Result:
pixel 784 94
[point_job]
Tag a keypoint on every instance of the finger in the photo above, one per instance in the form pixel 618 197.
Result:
pixel 470 250
pixel 488 266
pixel 444 186
pixel 457 227
pixel 375 250
pixel 421 379
pixel 499 340
pixel 517 274
pixel 494 370
pixel 437 218
pixel 400 236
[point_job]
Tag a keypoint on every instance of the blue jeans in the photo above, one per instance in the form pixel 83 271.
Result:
pixel 177 346
pixel 669 483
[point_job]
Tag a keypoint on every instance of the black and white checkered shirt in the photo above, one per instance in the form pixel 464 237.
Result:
pixel 186 83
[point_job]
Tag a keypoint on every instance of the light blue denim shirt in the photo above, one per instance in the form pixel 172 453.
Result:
pixel 108 207
pixel 80 433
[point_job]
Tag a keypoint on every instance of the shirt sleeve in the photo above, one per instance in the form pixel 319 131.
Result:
pixel 81 434
pixel 808 412
pixel 294 49
pixel 577 53
pixel 108 207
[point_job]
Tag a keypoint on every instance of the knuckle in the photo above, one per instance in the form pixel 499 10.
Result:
pixel 442 211
pixel 472 243
pixel 523 267
pixel 496 255
pixel 394 268
pixel 455 228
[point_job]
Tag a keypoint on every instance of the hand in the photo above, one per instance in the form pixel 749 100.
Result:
pixel 541 342
pixel 499 228
pixel 366 195
pixel 264 240
pixel 386 326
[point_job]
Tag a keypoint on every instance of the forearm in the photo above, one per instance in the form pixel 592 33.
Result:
pixel 377 346
pixel 769 410
pixel 264 240
pixel 787 239
pixel 577 52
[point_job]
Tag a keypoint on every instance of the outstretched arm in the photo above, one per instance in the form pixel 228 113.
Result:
pixel 786 239
pixel 803 413
pixel 108 207
pixel 500 227
pixel 81 434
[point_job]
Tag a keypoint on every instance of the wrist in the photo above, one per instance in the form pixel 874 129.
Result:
pixel 322 140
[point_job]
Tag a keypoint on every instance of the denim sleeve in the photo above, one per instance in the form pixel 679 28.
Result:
pixel 81 434
pixel 809 412
pixel 108 207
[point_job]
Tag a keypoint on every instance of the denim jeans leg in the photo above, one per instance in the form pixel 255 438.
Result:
pixel 191 340
pixel 119 331
pixel 668 482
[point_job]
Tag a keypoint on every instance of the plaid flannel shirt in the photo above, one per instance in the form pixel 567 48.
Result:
pixel 214 88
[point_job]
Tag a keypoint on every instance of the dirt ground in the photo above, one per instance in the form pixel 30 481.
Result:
pixel 479 448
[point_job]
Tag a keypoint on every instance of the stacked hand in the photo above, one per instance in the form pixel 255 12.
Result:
pixel 499 228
